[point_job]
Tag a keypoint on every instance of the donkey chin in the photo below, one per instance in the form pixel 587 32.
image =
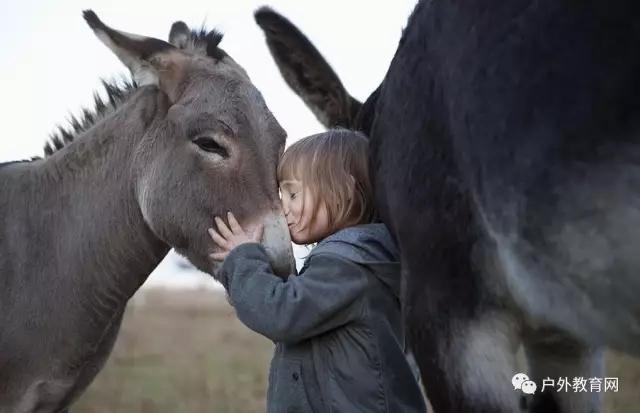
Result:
pixel 275 240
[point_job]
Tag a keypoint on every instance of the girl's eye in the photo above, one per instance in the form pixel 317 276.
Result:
pixel 293 196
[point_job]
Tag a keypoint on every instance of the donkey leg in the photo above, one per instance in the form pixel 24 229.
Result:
pixel 553 355
pixel 466 363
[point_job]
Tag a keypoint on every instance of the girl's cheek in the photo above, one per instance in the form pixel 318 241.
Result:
pixel 295 236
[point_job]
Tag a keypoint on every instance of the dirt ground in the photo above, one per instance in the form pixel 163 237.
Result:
pixel 185 352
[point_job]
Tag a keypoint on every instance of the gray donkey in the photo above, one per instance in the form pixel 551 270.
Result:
pixel 82 228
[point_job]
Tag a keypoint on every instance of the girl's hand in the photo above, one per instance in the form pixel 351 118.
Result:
pixel 229 237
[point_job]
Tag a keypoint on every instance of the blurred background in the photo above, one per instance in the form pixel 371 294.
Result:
pixel 181 349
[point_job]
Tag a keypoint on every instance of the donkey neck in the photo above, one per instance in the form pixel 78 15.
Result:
pixel 109 251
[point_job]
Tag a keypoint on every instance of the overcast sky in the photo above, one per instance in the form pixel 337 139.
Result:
pixel 51 62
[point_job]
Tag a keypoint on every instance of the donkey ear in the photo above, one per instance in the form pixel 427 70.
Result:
pixel 306 71
pixel 179 34
pixel 151 61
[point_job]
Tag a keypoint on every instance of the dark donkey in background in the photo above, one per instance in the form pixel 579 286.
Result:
pixel 505 156
pixel 82 229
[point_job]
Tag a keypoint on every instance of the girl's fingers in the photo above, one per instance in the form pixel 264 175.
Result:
pixel 234 224
pixel 218 256
pixel 217 238
pixel 223 229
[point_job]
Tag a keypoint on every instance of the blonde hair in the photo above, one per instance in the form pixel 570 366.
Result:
pixel 334 168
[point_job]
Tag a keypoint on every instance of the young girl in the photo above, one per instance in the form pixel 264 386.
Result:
pixel 337 325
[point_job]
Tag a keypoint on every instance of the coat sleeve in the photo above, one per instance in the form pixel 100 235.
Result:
pixel 325 296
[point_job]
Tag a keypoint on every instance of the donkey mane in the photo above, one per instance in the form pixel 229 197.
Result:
pixel 200 41
pixel 116 94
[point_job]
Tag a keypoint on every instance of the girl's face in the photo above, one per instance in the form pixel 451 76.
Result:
pixel 297 204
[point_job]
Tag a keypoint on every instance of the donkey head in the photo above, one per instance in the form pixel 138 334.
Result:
pixel 213 147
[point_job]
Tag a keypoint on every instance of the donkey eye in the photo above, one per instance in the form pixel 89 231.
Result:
pixel 210 145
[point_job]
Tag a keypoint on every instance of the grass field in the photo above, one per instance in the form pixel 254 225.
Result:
pixel 185 352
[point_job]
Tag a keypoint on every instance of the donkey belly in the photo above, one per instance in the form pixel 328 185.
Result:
pixel 573 260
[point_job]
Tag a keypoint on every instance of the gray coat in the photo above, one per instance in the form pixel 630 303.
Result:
pixel 337 326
